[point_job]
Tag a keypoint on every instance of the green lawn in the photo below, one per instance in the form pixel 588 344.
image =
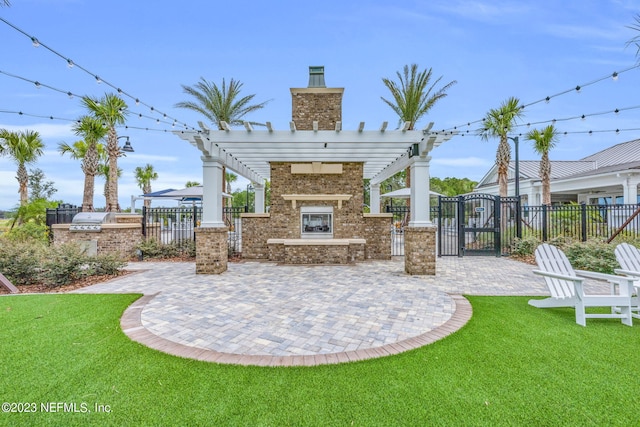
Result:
pixel 512 364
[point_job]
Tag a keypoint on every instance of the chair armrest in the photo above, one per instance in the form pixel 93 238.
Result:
pixel 603 276
pixel 558 276
pixel 628 273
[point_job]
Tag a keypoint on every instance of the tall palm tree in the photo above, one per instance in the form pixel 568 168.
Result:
pixel 144 176
pixel 543 142
pixel 103 171
pixel 498 123
pixel 220 104
pixel 413 97
pixel 24 148
pixel 90 151
pixel 112 111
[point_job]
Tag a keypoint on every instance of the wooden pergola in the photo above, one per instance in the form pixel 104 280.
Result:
pixel 249 153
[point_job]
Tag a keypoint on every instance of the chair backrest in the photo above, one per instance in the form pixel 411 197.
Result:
pixel 628 256
pixel 551 259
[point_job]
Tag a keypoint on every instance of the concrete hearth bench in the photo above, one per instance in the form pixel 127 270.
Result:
pixel 316 251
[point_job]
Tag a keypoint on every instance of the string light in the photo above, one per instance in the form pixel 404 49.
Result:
pixel 577 88
pixel 70 63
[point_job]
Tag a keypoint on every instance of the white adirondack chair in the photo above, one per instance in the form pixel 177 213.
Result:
pixel 628 257
pixel 566 287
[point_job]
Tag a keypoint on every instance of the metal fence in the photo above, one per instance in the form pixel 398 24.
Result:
pixel 176 226
pixel 581 221
pixel 399 221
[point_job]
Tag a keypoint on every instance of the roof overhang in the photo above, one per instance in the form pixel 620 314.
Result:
pixel 249 152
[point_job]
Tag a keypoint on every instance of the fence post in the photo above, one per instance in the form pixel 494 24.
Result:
pixel 519 217
pixel 144 220
pixel 544 223
pixel 439 232
pixel 583 220
pixel 460 225
pixel 498 228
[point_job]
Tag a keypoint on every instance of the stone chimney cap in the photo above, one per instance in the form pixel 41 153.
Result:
pixel 316 76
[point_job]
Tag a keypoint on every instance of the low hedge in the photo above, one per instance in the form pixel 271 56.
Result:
pixel 593 255
pixel 36 263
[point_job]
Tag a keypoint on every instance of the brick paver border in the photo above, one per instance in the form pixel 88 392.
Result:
pixel 131 323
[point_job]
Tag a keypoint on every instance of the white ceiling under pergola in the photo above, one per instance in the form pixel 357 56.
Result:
pixel 249 151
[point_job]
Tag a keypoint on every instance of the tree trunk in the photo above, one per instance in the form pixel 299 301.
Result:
pixel 90 169
pixel 146 189
pixel 23 179
pixel 545 176
pixel 503 157
pixel 113 151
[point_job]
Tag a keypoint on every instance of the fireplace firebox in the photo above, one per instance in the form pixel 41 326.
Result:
pixel 316 222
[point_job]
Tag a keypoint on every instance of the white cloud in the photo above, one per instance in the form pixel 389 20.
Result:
pixel 46 130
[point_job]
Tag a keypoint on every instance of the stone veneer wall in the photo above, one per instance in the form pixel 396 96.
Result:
pixel 347 221
pixel 420 250
pixel 323 105
pixel 377 232
pixel 211 250
pixel 256 229
pixel 113 239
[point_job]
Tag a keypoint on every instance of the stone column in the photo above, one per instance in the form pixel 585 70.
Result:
pixel 374 198
pixel 211 235
pixel 420 235
pixel 211 250
pixel 420 250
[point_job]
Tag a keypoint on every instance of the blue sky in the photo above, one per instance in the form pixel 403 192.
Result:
pixel 494 49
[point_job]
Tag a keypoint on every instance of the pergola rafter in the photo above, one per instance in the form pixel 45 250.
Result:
pixel 250 152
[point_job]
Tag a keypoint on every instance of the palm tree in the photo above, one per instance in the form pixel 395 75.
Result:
pixel 89 151
pixel 543 142
pixel 220 104
pixel 413 97
pixel 24 148
pixel 144 176
pixel 103 171
pixel 112 111
pixel 498 123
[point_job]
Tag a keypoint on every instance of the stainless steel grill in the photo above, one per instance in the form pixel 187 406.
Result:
pixel 91 221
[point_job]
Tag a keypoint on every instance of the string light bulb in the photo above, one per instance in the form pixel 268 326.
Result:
pixel 578 88
pixel 98 79
pixel 37 84
pixel 70 63
pixel 614 76
pixel 35 42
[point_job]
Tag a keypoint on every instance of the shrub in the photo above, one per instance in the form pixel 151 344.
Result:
pixel 525 246
pixel 28 232
pixel 20 261
pixel 593 255
pixel 34 263
pixel 152 249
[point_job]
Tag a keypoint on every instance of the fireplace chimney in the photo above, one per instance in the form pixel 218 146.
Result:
pixel 316 103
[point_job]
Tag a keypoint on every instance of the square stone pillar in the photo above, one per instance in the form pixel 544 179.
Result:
pixel 420 250
pixel 211 250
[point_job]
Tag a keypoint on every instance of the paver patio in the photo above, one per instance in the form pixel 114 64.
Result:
pixel 268 314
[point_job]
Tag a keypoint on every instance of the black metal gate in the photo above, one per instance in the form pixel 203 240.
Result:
pixel 474 224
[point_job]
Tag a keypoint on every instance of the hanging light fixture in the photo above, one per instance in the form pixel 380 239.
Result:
pixel 127 145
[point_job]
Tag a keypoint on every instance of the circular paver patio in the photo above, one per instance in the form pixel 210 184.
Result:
pixel 267 314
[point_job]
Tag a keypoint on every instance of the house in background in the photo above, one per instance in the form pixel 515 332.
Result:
pixel 610 176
